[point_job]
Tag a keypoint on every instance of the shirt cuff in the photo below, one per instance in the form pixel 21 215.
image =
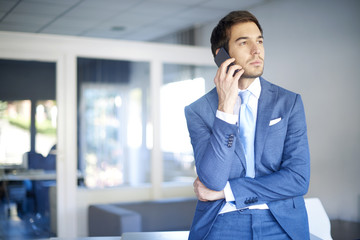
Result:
pixel 227 117
pixel 229 196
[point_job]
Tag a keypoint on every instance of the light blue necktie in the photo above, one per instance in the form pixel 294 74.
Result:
pixel 247 132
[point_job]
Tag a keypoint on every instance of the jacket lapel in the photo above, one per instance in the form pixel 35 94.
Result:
pixel 241 154
pixel 266 104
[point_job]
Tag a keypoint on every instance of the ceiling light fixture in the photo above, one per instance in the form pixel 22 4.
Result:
pixel 118 28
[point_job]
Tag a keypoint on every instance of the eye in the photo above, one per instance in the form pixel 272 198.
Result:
pixel 242 43
pixel 261 41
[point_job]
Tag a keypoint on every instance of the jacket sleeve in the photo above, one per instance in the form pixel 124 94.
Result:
pixel 214 148
pixel 293 176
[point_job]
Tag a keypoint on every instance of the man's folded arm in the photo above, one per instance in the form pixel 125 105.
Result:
pixel 293 177
pixel 214 147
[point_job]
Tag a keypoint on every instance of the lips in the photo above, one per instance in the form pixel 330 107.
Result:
pixel 256 62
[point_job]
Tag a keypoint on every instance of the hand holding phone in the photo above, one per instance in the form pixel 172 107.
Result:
pixel 221 57
pixel 226 85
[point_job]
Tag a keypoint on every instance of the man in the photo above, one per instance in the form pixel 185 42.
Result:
pixel 252 171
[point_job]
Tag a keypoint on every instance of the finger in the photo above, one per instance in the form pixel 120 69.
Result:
pixel 234 69
pixel 201 197
pixel 227 62
pixel 223 72
pixel 217 78
pixel 239 73
pixel 225 65
pixel 195 181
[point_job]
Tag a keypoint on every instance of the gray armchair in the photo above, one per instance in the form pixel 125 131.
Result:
pixel 149 216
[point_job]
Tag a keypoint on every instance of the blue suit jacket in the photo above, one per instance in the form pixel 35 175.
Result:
pixel 282 159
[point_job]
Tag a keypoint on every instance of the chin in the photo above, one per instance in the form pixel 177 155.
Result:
pixel 252 75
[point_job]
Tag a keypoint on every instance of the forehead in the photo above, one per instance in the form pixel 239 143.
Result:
pixel 246 29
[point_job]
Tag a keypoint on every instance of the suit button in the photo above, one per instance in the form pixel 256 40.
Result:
pixel 230 140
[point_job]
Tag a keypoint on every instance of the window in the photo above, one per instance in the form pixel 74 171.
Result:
pixel 15 122
pixel 113 122
pixel 14 132
pixel 28 112
pixel 46 124
pixel 183 84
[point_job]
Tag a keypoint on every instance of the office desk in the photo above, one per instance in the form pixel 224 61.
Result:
pixel 36 175
pixel 14 190
pixel 32 174
pixel 18 190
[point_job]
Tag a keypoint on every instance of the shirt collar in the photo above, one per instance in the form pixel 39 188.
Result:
pixel 255 88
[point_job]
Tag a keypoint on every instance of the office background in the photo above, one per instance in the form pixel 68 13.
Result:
pixel 311 48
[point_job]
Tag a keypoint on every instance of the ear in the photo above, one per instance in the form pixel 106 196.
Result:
pixel 217 50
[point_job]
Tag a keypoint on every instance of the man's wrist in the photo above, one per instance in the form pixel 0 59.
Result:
pixel 225 109
pixel 226 117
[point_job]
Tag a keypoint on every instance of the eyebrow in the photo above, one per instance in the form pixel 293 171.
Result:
pixel 242 38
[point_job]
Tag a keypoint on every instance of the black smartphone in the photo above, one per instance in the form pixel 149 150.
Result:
pixel 221 57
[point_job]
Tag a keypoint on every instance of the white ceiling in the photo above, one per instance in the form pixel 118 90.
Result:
pixel 142 20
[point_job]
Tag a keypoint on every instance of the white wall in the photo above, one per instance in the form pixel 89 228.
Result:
pixel 312 47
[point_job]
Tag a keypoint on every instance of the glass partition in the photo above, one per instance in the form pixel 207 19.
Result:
pixel 182 85
pixel 28 111
pixel 28 136
pixel 113 103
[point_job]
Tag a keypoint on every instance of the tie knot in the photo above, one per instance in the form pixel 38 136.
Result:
pixel 244 96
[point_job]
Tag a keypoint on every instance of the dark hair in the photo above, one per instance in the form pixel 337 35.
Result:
pixel 221 34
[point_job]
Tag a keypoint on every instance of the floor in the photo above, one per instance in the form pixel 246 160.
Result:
pixel 28 226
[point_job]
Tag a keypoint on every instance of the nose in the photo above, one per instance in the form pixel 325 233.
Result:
pixel 255 49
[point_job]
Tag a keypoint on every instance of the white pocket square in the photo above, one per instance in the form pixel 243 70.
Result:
pixel 274 121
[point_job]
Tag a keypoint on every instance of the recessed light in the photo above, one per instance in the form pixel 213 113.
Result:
pixel 118 28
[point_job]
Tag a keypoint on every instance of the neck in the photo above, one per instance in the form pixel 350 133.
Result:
pixel 244 83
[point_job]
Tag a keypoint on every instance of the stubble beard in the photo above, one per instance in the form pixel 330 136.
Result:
pixel 253 74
